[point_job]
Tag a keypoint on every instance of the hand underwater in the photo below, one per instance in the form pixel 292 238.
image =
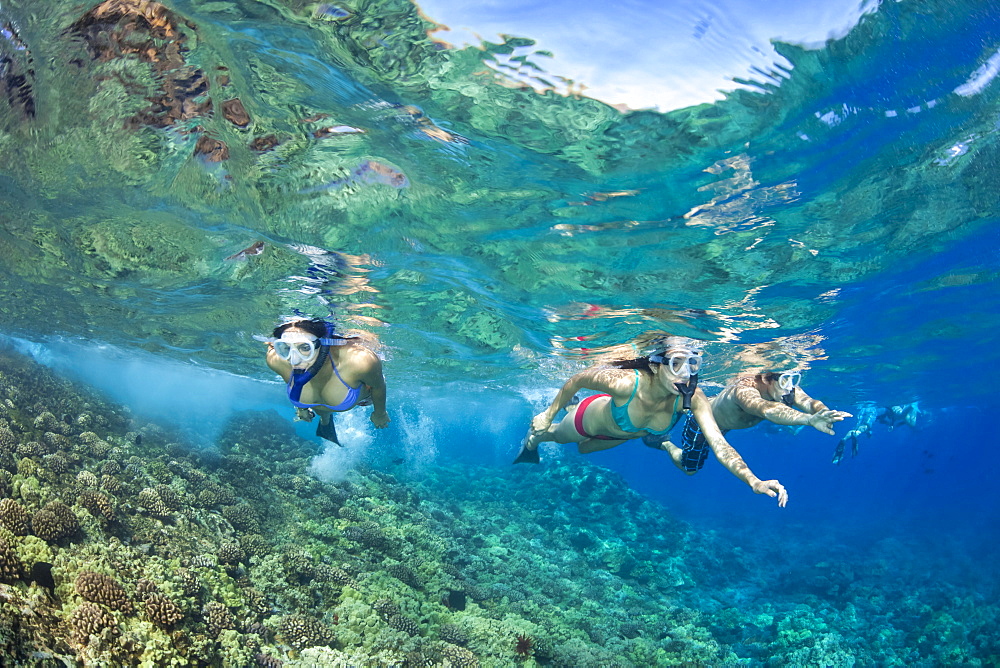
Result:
pixel 380 419
pixel 772 488
pixel 824 420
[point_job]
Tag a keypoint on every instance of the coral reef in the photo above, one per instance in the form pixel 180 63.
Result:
pixel 238 558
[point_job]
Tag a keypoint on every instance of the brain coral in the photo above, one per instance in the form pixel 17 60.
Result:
pixel 162 610
pixel 11 568
pixel 91 619
pixel 453 634
pixel 300 632
pixel 190 584
pixel 231 554
pixel 459 657
pixel 14 517
pixel 150 500
pixel 97 503
pixel 54 521
pixel 100 588
pixel 8 441
pixel 404 624
pixel 242 517
pixel 386 608
pixel 217 618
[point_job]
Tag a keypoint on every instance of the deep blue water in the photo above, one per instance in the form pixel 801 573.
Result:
pixel 844 222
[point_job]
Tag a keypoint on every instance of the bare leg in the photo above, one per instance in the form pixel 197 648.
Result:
pixel 588 445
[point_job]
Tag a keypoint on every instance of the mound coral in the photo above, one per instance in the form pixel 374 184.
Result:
pixel 301 631
pixel 101 588
pixel 162 610
pixel 11 568
pixel 218 618
pixel 54 522
pixel 97 503
pixel 91 619
pixel 14 517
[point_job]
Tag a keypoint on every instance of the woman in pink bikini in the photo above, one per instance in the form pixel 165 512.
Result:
pixel 641 396
pixel 326 373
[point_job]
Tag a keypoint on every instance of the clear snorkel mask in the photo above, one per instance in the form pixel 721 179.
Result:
pixel 683 363
pixel 300 348
pixel 297 348
pixel 787 382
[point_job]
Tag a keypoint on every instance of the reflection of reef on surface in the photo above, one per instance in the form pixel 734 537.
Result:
pixel 424 154
pixel 119 544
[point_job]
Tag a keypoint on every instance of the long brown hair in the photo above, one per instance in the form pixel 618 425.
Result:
pixel 315 326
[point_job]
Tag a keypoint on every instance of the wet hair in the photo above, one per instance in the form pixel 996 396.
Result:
pixel 641 363
pixel 644 363
pixel 314 326
pixel 769 376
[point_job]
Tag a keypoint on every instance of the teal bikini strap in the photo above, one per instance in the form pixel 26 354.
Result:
pixel 676 416
pixel 635 389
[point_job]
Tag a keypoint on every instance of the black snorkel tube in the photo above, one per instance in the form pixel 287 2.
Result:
pixel 788 398
pixel 687 390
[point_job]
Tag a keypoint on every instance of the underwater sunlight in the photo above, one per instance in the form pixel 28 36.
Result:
pixel 383 333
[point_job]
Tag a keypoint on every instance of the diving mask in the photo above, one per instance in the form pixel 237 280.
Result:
pixel 787 382
pixel 679 362
pixel 297 348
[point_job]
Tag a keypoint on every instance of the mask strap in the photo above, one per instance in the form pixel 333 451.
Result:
pixel 329 339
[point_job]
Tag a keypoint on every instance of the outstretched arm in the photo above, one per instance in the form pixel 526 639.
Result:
pixel 601 380
pixel 816 414
pixel 727 454
pixel 374 379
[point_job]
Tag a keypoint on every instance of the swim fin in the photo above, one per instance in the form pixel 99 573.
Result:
pixel 526 456
pixel 328 431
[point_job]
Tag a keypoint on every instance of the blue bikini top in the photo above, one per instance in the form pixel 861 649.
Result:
pixel 620 414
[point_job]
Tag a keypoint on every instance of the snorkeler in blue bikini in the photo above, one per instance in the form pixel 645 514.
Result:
pixel 299 350
pixel 640 396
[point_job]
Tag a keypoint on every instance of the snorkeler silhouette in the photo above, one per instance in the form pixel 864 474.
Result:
pixel 298 351
pixel 642 396
pixel 868 414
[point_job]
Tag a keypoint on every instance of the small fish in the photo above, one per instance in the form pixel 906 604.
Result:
pixel 398 460
pixel 337 131
pixel 314 118
pixel 369 172
pixel 41 574
pixel 256 249
pixel 329 11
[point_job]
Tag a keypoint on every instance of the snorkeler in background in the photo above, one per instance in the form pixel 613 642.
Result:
pixel 640 396
pixel 298 351
pixel 746 402
pixel 868 414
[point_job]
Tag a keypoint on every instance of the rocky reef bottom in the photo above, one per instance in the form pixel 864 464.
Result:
pixel 120 544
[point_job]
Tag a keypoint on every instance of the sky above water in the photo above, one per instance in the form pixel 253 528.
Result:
pixel 651 54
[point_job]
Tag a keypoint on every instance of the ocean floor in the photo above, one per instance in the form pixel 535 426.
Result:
pixel 121 544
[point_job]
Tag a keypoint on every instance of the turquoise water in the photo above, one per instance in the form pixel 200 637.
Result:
pixel 177 178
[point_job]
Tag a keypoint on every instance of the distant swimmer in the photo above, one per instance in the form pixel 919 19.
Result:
pixel 746 402
pixel 298 351
pixel 868 414
pixel 644 396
